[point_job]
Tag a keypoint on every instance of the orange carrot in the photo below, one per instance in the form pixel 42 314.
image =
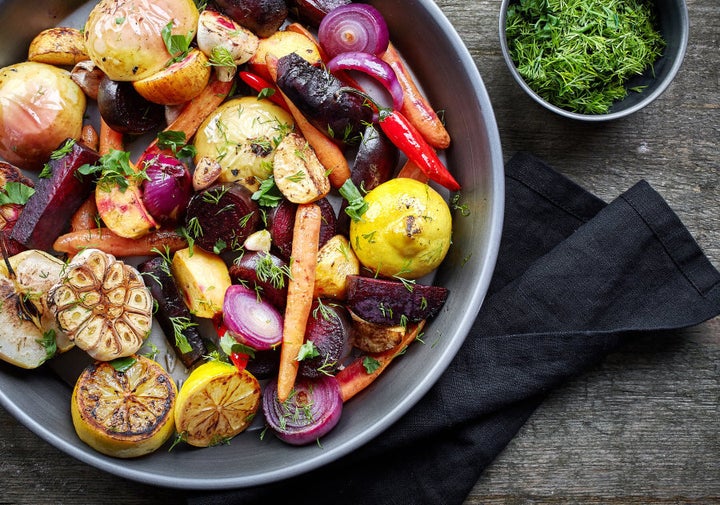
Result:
pixel 105 240
pixel 355 377
pixel 89 137
pixel 411 171
pixel 415 106
pixel 192 115
pixel 85 217
pixel 109 139
pixel 306 237
pixel 327 151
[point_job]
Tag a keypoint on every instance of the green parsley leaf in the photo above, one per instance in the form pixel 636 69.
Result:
pixel 268 193
pixel 177 45
pixel 370 364
pixel 15 193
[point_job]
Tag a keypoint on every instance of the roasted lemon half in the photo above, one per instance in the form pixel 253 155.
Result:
pixel 126 413
pixel 215 403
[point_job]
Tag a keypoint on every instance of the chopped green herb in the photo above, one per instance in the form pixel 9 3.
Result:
pixel 123 364
pixel 356 203
pixel 370 364
pixel 177 45
pixel 579 54
pixel 176 141
pixel 307 351
pixel 114 169
pixel 15 193
pixel 268 193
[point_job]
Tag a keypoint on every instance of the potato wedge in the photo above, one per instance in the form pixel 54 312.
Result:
pixel 298 173
pixel 124 212
pixel 61 46
pixel 336 260
pixel 203 278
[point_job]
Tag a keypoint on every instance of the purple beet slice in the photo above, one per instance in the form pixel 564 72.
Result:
pixel 390 302
pixel 56 198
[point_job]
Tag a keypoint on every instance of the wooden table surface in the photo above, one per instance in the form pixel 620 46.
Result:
pixel 642 427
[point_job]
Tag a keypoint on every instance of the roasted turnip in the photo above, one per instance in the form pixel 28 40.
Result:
pixel 40 106
pixel 125 37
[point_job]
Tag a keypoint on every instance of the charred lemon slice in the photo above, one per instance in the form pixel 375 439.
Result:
pixel 216 402
pixel 126 413
pixel 103 305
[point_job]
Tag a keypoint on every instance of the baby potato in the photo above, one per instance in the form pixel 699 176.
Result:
pixel 124 37
pixel 40 107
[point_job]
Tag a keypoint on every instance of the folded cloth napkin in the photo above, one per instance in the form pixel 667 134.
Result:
pixel 575 278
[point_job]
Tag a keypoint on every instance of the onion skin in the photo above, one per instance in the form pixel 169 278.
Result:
pixel 168 191
pixel 252 321
pixel 312 410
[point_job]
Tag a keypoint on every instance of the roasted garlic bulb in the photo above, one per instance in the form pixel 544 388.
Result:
pixel 103 305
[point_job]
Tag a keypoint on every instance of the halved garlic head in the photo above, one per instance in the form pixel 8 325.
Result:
pixel 103 305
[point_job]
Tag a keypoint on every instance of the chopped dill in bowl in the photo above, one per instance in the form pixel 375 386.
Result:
pixel 580 54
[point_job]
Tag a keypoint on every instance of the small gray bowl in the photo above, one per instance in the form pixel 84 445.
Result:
pixel 674 27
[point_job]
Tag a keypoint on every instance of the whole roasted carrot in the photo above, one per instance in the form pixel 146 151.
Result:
pixel 358 374
pixel 105 240
pixel 306 238
pixel 415 106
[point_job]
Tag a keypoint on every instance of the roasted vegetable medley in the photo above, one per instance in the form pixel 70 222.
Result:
pixel 258 180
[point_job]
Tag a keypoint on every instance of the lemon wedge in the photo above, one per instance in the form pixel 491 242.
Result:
pixel 215 403
pixel 124 414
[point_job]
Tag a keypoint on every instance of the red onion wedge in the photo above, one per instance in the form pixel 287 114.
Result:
pixel 353 27
pixel 251 320
pixel 372 66
pixel 168 189
pixel 311 411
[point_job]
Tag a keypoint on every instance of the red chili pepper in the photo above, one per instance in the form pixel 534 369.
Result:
pixel 409 140
pixel 239 359
pixel 259 84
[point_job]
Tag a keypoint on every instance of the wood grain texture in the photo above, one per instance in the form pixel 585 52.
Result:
pixel 643 426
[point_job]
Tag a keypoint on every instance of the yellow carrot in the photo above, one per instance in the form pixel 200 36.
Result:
pixel 306 237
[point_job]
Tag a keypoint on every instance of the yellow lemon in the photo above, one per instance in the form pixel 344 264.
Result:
pixel 124 414
pixel 215 403
pixel 405 231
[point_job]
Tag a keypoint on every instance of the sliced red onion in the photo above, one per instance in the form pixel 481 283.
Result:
pixel 374 67
pixel 311 411
pixel 353 27
pixel 167 192
pixel 251 320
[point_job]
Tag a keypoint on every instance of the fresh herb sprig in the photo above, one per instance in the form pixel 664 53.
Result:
pixel 579 54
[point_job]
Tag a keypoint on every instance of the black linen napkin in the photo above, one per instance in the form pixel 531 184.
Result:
pixel 575 278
